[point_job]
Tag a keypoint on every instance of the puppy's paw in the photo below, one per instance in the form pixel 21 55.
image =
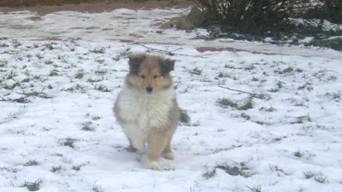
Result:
pixel 154 165
pixel 140 156
pixel 131 149
pixel 169 155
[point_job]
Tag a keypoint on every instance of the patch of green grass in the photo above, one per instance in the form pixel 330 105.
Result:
pixel 320 178
pixel 306 86
pixel 53 72
pixel 280 84
pixel 11 75
pixel 240 169
pixel 102 88
pixel 100 71
pixel 76 167
pixel 48 62
pixel 11 86
pixel 278 170
pixel 284 71
pixel 90 80
pixel 209 174
pixel 246 116
pixel 335 43
pixel 336 96
pixel 77 88
pixel 97 189
pixel 100 61
pixel 255 79
pixel 69 142
pixel 249 67
pixel 95 118
pixel 196 71
pixel 98 50
pixel 37 94
pixel 88 126
pixel 4 45
pixel 55 169
pixel 255 188
pixel 237 170
pixel 21 100
pixel 123 53
pixel 33 186
pixel 267 109
pixel 317 176
pixel 79 74
pixel 220 75
pixel 298 154
pixel 309 174
pixel 49 46
pixel 302 119
pixel 31 163
pixel 26 80
pixel 16 100
pixel 3 63
pixel 225 102
pixel 39 56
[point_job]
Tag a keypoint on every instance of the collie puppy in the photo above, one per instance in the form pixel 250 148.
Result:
pixel 147 109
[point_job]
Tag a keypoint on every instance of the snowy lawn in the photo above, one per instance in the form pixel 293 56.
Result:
pixel 57 131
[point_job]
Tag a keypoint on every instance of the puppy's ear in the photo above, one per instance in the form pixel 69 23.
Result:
pixel 134 62
pixel 166 65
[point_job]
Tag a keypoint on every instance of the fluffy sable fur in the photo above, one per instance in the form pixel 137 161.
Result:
pixel 147 108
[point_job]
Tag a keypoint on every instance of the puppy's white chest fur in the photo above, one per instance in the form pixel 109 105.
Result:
pixel 143 111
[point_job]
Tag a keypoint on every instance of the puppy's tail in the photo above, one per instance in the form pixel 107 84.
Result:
pixel 184 117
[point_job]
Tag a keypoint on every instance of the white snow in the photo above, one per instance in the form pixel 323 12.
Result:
pixel 57 131
pixel 138 26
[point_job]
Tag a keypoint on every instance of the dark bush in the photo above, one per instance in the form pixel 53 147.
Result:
pixel 250 16
pixel 328 9
pixel 332 43
pixel 334 8
pixel 266 16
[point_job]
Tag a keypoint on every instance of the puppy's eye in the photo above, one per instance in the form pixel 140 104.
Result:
pixel 155 76
pixel 142 76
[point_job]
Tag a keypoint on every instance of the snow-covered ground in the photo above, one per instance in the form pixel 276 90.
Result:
pixel 57 131
pixel 139 26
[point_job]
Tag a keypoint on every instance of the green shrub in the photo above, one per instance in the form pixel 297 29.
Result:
pixel 335 43
pixel 329 9
pixel 262 17
pixel 250 16
pixel 335 10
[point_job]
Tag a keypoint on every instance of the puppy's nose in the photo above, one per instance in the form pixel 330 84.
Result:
pixel 149 89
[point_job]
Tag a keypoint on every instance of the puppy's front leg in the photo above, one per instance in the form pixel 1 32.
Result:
pixel 157 141
pixel 131 148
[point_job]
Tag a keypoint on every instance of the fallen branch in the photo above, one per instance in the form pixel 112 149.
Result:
pixel 258 96
pixel 171 53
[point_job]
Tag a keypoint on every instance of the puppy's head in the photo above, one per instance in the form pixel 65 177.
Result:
pixel 149 73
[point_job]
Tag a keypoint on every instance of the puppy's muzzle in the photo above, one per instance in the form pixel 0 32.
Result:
pixel 149 89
